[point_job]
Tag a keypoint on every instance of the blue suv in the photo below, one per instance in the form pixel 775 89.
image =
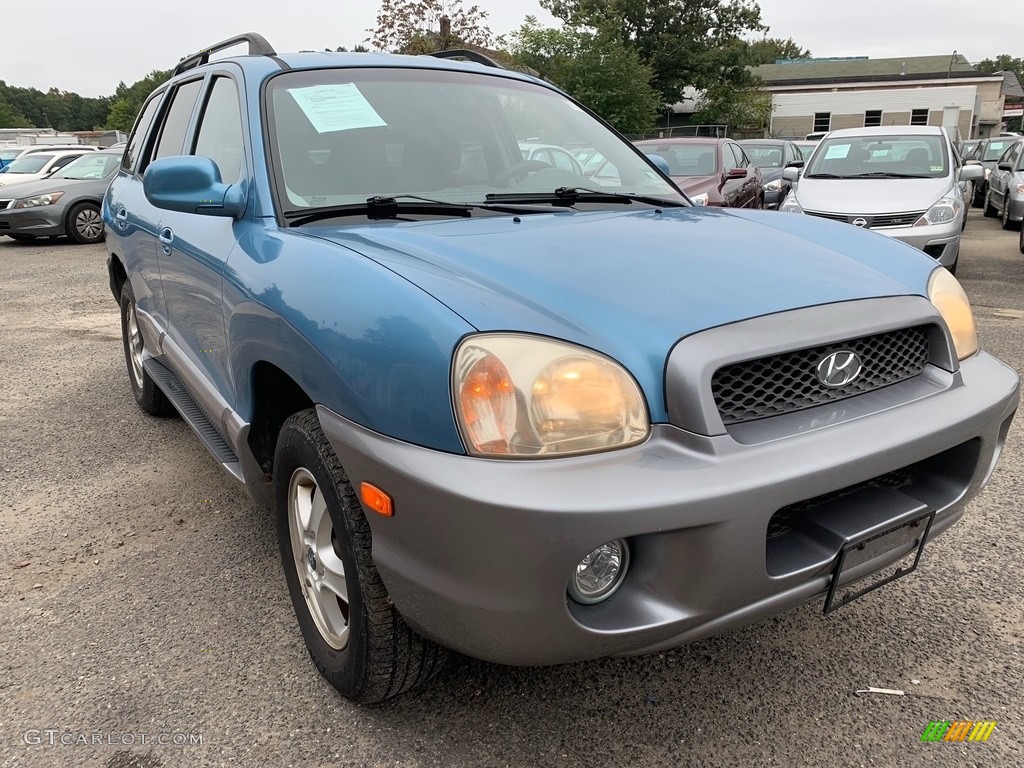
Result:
pixel 500 410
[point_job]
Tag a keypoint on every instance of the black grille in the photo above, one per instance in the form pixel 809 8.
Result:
pixel 769 386
pixel 872 220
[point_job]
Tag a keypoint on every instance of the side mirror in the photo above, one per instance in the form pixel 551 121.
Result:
pixel 736 173
pixel 661 163
pixel 1005 167
pixel 792 173
pixel 972 171
pixel 972 161
pixel 191 184
pixel 795 164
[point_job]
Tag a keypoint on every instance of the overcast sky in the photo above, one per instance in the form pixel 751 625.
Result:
pixel 89 47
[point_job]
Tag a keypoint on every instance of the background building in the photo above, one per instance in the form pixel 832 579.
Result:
pixel 812 95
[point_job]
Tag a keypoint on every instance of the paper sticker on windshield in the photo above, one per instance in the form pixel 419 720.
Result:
pixel 337 107
pixel 837 151
pixel 935 168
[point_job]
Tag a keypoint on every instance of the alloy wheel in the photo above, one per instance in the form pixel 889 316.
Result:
pixel 317 561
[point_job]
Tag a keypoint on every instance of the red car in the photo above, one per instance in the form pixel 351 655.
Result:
pixel 710 171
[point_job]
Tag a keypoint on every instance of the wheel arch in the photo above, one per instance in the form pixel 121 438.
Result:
pixel 118 275
pixel 275 397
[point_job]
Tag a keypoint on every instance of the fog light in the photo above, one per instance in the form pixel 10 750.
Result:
pixel 600 573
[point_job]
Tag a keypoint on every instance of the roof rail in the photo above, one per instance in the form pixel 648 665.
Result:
pixel 468 55
pixel 258 46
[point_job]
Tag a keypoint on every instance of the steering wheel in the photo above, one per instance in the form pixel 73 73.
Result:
pixel 523 166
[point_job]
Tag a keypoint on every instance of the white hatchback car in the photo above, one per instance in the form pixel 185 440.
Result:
pixel 902 181
pixel 34 166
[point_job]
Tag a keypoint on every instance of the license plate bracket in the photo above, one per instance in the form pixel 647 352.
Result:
pixel 871 545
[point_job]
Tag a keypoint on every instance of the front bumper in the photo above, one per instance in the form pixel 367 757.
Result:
pixel 940 241
pixel 479 552
pixel 43 221
pixel 1016 207
pixel 772 200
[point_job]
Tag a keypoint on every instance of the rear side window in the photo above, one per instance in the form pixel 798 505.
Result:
pixel 145 120
pixel 220 130
pixel 172 135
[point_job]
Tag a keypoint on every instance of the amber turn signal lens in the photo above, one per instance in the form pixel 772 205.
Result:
pixel 374 498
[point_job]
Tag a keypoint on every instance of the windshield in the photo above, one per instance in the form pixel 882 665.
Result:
pixel 764 155
pixel 806 150
pixel 89 167
pixel 685 158
pixel 995 149
pixel 342 136
pixel 9 154
pixel 29 163
pixel 921 156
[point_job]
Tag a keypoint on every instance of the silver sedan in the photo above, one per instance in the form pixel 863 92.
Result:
pixel 65 203
pixel 1005 195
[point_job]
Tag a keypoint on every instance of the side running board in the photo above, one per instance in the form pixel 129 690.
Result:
pixel 193 415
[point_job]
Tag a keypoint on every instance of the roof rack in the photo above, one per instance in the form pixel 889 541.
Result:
pixel 468 55
pixel 258 46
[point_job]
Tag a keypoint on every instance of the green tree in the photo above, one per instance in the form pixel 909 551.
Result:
pixel 414 26
pixel 603 74
pixel 1001 63
pixel 684 42
pixel 128 99
pixel 10 117
pixel 768 49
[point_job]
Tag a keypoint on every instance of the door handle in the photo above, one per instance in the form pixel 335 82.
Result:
pixel 166 240
pixel 121 218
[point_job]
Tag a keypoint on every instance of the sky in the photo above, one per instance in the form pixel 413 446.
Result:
pixel 89 52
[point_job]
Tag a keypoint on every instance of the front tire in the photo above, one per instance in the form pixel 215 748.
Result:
pixel 147 394
pixel 990 210
pixel 85 224
pixel 1007 224
pixel 353 632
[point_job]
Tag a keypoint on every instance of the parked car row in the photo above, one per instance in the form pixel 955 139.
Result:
pixel 904 182
pixel 55 191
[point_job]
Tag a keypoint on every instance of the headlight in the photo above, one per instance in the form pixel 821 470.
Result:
pixel 951 301
pixel 944 211
pixel 1020 189
pixel 39 200
pixel 701 199
pixel 987 172
pixel 520 396
pixel 773 186
pixel 790 205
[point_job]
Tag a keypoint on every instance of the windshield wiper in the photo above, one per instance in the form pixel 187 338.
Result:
pixel 569 196
pixel 824 176
pixel 890 175
pixel 391 206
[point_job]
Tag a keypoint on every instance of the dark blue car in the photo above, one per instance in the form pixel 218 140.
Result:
pixel 499 410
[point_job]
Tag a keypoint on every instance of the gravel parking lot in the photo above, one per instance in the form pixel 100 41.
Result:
pixel 143 603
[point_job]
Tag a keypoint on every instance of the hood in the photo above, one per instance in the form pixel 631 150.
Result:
pixel 872 196
pixel 43 186
pixel 631 284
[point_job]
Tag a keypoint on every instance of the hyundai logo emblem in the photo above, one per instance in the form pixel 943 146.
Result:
pixel 839 369
pixel 859 222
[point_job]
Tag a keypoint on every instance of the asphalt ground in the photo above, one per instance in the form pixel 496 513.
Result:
pixel 143 604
